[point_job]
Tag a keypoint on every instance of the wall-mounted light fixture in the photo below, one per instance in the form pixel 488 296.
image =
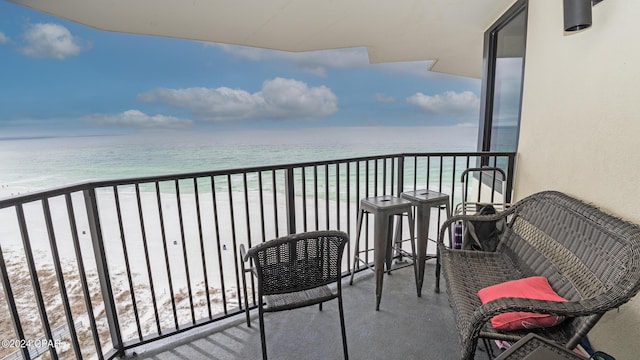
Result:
pixel 577 14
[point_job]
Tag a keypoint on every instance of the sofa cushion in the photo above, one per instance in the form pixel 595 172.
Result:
pixel 535 287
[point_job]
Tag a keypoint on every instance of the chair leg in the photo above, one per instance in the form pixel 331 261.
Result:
pixel 437 289
pixel 344 332
pixel 246 300
pixel 397 240
pixel 416 258
pixel 263 340
pixel 488 348
pixel 389 241
pixel 412 234
pixel 320 306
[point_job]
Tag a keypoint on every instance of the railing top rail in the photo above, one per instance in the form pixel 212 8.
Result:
pixel 92 184
pixel 462 153
pixel 43 194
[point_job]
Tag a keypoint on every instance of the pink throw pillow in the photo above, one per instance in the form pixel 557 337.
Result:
pixel 535 287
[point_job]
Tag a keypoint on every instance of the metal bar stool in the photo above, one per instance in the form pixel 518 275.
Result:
pixel 425 200
pixel 383 208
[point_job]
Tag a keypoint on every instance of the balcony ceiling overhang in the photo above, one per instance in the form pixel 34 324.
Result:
pixel 450 32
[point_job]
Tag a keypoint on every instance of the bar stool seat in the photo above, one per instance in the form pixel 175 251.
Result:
pixel 384 209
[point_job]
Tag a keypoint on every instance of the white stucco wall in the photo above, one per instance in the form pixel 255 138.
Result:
pixel 580 127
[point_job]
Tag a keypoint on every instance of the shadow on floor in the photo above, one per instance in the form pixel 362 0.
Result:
pixel 406 327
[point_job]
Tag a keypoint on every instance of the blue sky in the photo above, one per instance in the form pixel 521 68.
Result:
pixel 59 77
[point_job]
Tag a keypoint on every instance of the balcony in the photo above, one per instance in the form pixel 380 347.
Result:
pixel 406 327
pixel 108 268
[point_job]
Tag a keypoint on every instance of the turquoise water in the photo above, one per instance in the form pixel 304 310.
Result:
pixel 40 163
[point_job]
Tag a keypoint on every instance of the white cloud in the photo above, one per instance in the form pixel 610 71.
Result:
pixel 136 118
pixel 315 62
pixel 278 99
pixel 383 98
pixel 4 38
pixel 48 40
pixel 449 103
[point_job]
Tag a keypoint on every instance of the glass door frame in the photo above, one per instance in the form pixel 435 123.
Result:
pixel 489 74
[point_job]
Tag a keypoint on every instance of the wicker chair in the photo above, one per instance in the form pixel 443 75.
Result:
pixel 295 271
pixel 590 258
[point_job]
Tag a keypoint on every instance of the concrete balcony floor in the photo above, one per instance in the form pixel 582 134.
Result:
pixel 406 327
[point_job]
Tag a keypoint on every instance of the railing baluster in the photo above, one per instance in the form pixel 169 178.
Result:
pixel 166 256
pixel 59 276
pixel 262 228
pixel 375 177
pixel 246 204
pixel 232 219
pixel 400 175
pixel 338 196
pixel 453 181
pixel 184 251
pixel 348 175
pixel 216 223
pixel 304 198
pixel 103 270
pixel 440 174
pixel 262 221
pixel 366 218
pixel 315 195
pixel 394 176
pixel 35 283
pixel 326 196
pixel 428 171
pixel 493 179
pixel 11 302
pixel 248 224
pixel 510 173
pixel 145 246
pixel 196 189
pixel 384 176
pixel 357 200
pixel 233 235
pixel 274 190
pixel 289 186
pixel 83 275
pixel 468 166
pixel 126 261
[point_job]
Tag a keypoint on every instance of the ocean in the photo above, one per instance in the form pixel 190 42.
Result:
pixel 175 238
pixel 38 163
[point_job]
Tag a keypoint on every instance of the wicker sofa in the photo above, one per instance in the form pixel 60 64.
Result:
pixel 590 258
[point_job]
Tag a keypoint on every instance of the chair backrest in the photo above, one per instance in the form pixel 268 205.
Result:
pixel 482 186
pixel 299 262
pixel 582 251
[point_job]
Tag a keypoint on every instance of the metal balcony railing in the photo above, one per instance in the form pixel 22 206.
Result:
pixel 121 263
